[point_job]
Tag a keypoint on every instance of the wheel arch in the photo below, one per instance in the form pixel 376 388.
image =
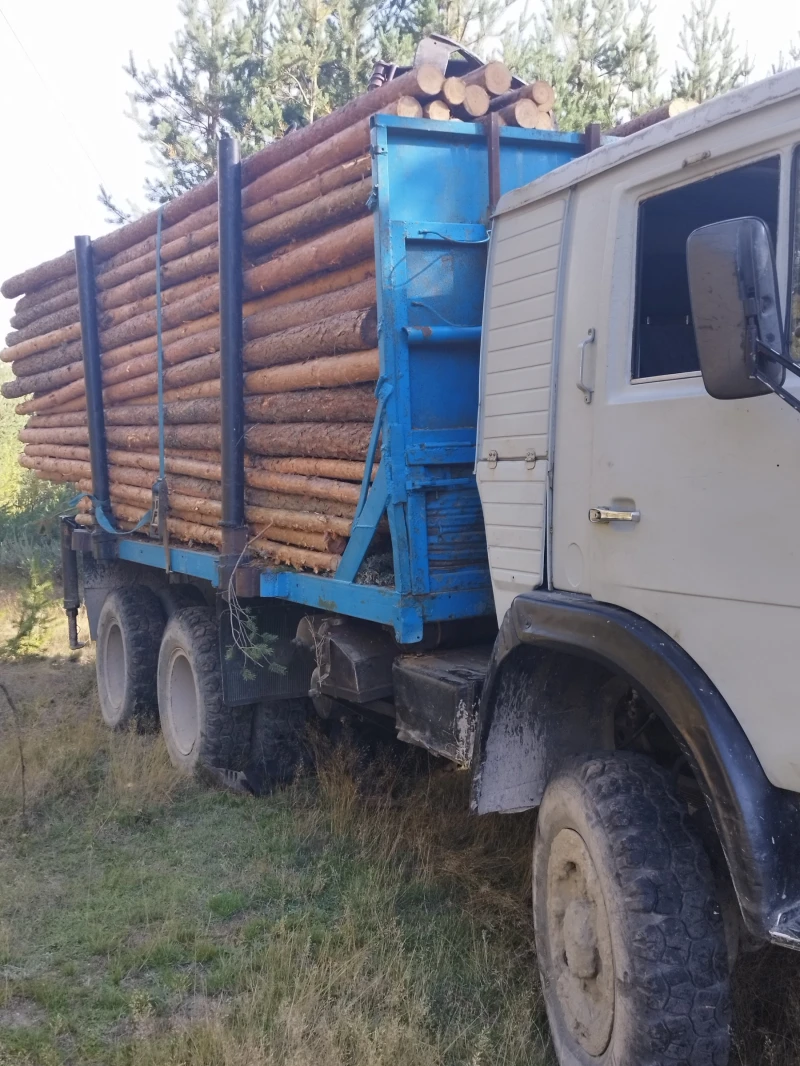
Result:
pixel 533 715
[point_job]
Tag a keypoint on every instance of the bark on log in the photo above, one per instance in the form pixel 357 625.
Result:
pixel 182 412
pixel 351 331
pixel 273 320
pixel 330 441
pixel 110 276
pixel 203 261
pixel 338 248
pixel 522 113
pixel 58 398
pixel 44 382
pixel 193 223
pixel 658 114
pixel 58 451
pixel 49 360
pixel 117 315
pixel 300 559
pixel 437 110
pixel 332 281
pixel 202 303
pixel 335 208
pixel 328 372
pixel 494 77
pixel 327 468
pixel 76 435
pixel 117 361
pixel 204 368
pixel 476 103
pixel 312 505
pixel 66 316
pixel 23 318
pixel 77 418
pixel 540 92
pixel 43 342
pixel 47 292
pixel 454 91
pixel 353 404
pixel 320 185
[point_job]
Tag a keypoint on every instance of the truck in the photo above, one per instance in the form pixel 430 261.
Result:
pixel 587 416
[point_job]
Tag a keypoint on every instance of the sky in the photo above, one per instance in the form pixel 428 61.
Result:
pixel 64 103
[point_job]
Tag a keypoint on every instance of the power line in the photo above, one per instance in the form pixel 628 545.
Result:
pixel 51 96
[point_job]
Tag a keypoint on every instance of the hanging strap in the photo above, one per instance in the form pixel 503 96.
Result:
pixel 160 508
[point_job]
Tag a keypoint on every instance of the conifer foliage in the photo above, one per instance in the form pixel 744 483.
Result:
pixel 713 62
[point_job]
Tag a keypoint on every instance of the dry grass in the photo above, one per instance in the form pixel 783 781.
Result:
pixel 361 918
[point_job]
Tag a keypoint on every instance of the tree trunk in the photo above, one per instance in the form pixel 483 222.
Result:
pixel 49 360
pixel 335 208
pixel 352 404
pixel 320 185
pixel 438 110
pixel 476 103
pixel 494 77
pixel 327 372
pixel 354 298
pixel 46 341
pixel 335 440
pixel 351 331
pixel 44 382
pixel 337 248
pixel 325 468
pixel 453 91
pixel 540 92
pixel 109 275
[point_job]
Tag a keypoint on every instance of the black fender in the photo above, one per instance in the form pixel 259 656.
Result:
pixel 522 733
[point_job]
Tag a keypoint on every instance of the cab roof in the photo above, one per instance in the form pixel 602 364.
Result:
pixel 618 150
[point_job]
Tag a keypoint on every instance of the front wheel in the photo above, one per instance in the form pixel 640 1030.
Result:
pixel 629 934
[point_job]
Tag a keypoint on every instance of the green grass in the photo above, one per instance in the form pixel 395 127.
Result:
pixel 346 921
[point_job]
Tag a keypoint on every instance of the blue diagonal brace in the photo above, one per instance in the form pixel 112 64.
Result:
pixel 364 527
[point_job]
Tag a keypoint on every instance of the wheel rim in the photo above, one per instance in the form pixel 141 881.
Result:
pixel 183 703
pixel 114 666
pixel 580 942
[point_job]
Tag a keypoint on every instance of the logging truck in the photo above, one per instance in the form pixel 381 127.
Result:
pixel 549 542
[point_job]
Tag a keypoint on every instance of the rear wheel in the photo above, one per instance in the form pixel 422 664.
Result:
pixel 198 728
pixel 629 934
pixel 129 633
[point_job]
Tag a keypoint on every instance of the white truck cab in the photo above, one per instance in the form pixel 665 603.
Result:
pixel 638 464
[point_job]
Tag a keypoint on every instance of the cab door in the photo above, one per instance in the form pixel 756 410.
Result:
pixel 694 517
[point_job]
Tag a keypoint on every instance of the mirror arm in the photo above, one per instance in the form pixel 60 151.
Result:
pixel 763 351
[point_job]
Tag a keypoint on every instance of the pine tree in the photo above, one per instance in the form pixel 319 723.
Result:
pixel 600 56
pixel 714 64
pixel 216 80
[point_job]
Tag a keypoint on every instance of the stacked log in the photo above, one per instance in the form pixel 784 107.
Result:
pixel 310 336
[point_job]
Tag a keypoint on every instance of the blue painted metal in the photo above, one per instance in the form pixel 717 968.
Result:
pixel 182 560
pixel 431 201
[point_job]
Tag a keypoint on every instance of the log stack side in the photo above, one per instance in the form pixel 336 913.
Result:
pixel 310 335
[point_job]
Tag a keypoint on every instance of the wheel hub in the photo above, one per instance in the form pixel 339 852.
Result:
pixel 580 942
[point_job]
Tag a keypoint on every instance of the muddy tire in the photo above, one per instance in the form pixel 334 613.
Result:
pixel 629 934
pixel 129 632
pixel 280 749
pixel 199 730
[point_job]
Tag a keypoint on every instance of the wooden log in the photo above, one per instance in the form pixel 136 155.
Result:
pixel 65 316
pixel 23 318
pixel 659 114
pixel 299 558
pixel 44 382
pixel 47 292
pixel 58 451
pixel 204 368
pixel 437 109
pixel 522 113
pixel 476 103
pixel 76 418
pixel 345 440
pixel 58 398
pixel 338 248
pixel 331 281
pixel 287 502
pixel 181 412
pixel 405 107
pixel 319 185
pixel 540 92
pixel 453 91
pixel 350 404
pixel 353 298
pixel 192 307
pixel 111 275
pixel 72 435
pixel 335 208
pixel 195 222
pixel 196 264
pixel 51 359
pixel 328 468
pixel 43 342
pixel 184 531
pixel 327 372
pixel 203 389
pixel 116 315
pixel 494 77
pixel 351 331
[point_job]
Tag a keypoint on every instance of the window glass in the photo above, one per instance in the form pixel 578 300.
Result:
pixel 794 298
pixel 663 341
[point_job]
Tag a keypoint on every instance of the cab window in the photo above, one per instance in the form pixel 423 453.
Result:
pixel 663 340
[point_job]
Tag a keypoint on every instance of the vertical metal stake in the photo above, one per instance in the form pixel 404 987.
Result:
pixel 93 377
pixel 493 138
pixel 229 184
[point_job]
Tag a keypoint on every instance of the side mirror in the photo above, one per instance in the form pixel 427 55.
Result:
pixel 733 286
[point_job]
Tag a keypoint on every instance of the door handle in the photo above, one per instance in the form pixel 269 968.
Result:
pixel 587 392
pixel 605 514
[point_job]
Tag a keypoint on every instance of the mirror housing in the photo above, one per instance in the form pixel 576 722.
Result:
pixel 733 287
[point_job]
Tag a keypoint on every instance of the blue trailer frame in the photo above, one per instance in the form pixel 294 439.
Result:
pixel 431 195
